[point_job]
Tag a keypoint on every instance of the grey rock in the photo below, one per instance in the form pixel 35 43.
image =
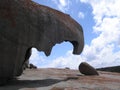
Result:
pixel 87 69
pixel 32 66
pixel 25 24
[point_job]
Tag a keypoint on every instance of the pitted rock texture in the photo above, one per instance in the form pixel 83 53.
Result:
pixel 87 69
pixel 25 24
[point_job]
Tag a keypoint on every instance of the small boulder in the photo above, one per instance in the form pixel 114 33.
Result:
pixel 32 66
pixel 67 68
pixel 87 69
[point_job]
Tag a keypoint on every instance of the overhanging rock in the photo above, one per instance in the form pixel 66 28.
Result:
pixel 25 24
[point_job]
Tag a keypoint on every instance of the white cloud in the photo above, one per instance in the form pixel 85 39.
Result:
pixel 63 5
pixel 81 15
pixel 36 58
pixel 102 49
pixel 101 57
pixel 69 60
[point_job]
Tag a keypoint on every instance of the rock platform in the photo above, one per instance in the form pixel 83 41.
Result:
pixel 63 79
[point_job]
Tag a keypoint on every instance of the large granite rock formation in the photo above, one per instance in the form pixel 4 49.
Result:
pixel 25 24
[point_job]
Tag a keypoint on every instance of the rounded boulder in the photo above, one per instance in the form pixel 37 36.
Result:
pixel 87 69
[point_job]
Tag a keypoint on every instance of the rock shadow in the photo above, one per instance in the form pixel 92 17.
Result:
pixel 19 84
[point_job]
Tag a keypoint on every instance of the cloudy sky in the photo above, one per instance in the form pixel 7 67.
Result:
pixel 100 20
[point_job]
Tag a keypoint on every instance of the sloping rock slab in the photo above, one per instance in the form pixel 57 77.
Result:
pixel 63 79
pixel 110 69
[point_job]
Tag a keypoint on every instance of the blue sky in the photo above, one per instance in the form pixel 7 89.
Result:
pixel 100 20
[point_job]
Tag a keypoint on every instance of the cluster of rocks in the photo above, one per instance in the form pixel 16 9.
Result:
pixel 29 66
pixel 87 69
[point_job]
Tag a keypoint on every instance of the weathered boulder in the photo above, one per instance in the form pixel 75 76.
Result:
pixel 87 69
pixel 32 66
pixel 25 24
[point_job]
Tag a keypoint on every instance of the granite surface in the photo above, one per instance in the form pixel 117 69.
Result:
pixel 63 79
